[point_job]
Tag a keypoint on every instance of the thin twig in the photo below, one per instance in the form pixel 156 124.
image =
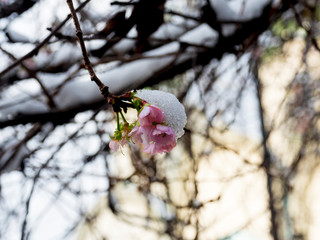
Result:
pixel 103 89
pixel 266 164
pixel 36 179
pixel 41 44
pixel 309 31
pixel 34 75
pixel 16 149
pixel 198 19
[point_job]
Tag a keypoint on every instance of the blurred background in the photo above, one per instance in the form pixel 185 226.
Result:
pixel 247 73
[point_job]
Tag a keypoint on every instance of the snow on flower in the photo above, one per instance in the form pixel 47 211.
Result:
pixel 173 111
pixel 161 119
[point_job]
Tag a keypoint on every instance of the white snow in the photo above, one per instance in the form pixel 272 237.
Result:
pixel 61 54
pixel 208 37
pixel 16 36
pixel 133 74
pixel 173 110
pixel 238 10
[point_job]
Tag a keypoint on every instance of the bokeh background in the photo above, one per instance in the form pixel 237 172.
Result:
pixel 247 167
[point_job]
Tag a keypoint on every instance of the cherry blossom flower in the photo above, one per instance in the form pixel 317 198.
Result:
pixel 161 119
pixel 154 138
pixel 152 133
pixel 162 139
pixel 163 136
pixel 151 115
pixel 140 134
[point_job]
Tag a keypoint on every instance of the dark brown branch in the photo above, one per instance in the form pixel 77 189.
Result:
pixel 18 7
pixel 56 117
pixel 36 177
pixel 198 19
pixel 183 15
pixel 34 75
pixel 103 89
pixel 266 164
pixel 236 43
pixel 42 43
pixel 122 3
pixel 29 135
pixel 229 44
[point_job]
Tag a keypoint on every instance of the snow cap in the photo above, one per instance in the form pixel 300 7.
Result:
pixel 173 110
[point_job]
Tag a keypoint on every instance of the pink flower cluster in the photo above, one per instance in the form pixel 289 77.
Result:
pixel 120 141
pixel 152 134
pixel 161 121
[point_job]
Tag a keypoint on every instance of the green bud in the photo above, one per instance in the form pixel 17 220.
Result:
pixel 118 135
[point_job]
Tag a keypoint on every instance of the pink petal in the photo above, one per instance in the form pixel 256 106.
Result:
pixel 114 145
pixel 151 149
pixel 163 135
pixel 150 115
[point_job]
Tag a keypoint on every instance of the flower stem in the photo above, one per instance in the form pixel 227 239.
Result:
pixel 123 118
pixel 118 122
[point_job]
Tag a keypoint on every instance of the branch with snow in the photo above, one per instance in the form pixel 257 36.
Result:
pixel 163 62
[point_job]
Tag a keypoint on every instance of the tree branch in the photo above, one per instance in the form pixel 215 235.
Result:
pixel 18 7
pixel 34 75
pixel 266 164
pixel 57 117
pixel 103 89
pixel 299 21
pixel 41 44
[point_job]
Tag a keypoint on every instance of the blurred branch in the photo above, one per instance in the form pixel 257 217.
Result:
pixel 246 35
pixel 198 19
pixel 153 177
pixel 18 7
pixel 33 75
pixel 299 21
pixel 233 44
pixel 56 117
pixel 266 164
pixel 35 50
pixel 183 15
pixel 4 166
pixel 36 178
